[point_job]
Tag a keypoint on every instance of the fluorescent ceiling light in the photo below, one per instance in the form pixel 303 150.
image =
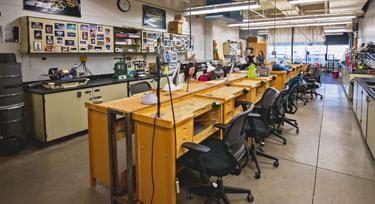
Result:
pixel 297 20
pixel 219 8
pixel 336 30
pixel 296 25
pixel 333 33
pixel 305 1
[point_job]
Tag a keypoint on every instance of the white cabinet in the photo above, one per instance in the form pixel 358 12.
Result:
pixel 65 113
pixel 364 112
pixel 110 92
pixel 52 116
pixel 371 126
pixel 355 97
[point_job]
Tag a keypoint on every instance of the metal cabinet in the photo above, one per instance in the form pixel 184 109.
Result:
pixel 55 115
pixel 371 127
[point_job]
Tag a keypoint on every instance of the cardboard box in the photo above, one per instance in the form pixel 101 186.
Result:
pixel 175 27
pixel 179 18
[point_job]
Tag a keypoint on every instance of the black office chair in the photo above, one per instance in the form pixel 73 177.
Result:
pixel 219 158
pixel 279 113
pixel 313 82
pixel 266 109
pixel 139 87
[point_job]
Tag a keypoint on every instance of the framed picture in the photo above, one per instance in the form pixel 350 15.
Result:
pixel 49 29
pixel 49 40
pixel 71 26
pixel 36 25
pixel 67 7
pixel 37 34
pixel 59 33
pixel 38 45
pixel 154 17
pixel 59 26
pixel 71 34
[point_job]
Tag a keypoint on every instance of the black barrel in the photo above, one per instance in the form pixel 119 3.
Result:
pixel 11 89
pixel 12 121
pixel 12 128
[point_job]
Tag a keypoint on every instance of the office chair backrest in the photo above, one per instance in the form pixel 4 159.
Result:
pixel 278 111
pixel 139 87
pixel 317 75
pixel 234 139
pixel 266 103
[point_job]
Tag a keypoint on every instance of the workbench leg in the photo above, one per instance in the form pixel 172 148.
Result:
pixel 112 155
pixel 129 157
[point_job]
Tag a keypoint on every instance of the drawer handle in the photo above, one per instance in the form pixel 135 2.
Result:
pixel 96 90
pixel 87 92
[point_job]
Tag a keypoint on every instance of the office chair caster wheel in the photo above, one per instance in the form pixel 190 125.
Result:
pixel 284 142
pixel 321 98
pixel 189 196
pixel 257 175
pixel 297 131
pixel 276 164
pixel 250 198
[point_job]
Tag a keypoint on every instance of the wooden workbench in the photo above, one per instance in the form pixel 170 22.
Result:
pixel 100 120
pixel 98 123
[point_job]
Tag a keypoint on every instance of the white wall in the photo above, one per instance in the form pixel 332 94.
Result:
pixel 101 12
pixel 367 24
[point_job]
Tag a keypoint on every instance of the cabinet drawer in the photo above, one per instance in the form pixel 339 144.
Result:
pixel 228 106
pixel 185 133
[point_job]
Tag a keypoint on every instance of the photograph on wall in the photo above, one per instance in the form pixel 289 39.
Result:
pixel 49 40
pixel 38 46
pixel 71 35
pixel 59 41
pixel 69 42
pixel 84 27
pixel 37 34
pixel 59 26
pixel 154 17
pixel 49 29
pixel 71 26
pixel 37 25
pixel 59 33
pixel 85 35
pixel 59 7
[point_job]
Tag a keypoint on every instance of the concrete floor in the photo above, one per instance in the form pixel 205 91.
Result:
pixel 328 162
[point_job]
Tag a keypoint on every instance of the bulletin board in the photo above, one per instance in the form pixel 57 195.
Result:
pixel 52 36
pixel 150 40
pixel 95 38
pixel 176 43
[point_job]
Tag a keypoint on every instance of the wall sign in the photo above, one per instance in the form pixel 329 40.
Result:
pixel 154 17
pixel 60 7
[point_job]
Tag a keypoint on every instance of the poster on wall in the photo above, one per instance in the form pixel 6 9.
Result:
pixel 154 17
pixel 60 7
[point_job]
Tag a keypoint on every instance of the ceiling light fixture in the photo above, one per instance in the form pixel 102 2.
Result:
pixel 336 30
pixel 305 1
pixel 218 8
pixel 297 20
pixel 297 25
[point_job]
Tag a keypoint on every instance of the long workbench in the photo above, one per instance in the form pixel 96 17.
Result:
pixel 109 122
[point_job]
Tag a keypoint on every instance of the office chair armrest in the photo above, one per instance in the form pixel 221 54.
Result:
pixel 245 104
pixel 254 115
pixel 196 147
pixel 220 126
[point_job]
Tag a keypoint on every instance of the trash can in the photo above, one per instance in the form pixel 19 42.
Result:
pixel 335 74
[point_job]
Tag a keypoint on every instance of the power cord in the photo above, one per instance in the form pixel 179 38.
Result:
pixel 152 160
pixel 153 137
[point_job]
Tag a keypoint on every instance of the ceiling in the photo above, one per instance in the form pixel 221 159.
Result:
pixel 284 8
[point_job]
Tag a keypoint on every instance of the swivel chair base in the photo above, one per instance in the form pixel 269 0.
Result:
pixel 217 191
pixel 254 153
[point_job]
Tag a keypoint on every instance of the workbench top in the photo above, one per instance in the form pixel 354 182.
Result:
pixel 94 82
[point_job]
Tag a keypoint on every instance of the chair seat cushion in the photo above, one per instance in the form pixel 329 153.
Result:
pixel 217 161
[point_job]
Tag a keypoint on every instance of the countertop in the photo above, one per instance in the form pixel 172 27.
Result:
pixel 363 83
pixel 94 82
